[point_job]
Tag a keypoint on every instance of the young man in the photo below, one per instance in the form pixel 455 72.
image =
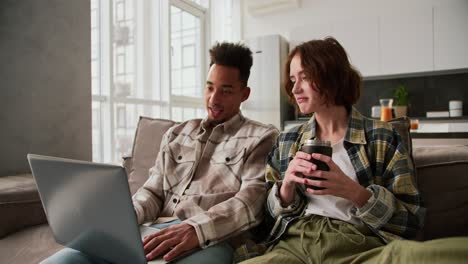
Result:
pixel 207 185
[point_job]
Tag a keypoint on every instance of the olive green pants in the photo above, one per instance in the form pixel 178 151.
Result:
pixel 317 239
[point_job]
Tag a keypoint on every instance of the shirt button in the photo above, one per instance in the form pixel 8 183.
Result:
pixel 179 157
pixel 174 200
pixel 228 159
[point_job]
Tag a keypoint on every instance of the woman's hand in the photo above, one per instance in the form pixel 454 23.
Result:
pixel 336 183
pixel 300 164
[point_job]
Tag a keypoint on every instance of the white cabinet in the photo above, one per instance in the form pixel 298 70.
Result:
pixel 451 37
pixel 311 31
pixel 406 41
pixel 268 102
pixel 361 45
pixel 397 40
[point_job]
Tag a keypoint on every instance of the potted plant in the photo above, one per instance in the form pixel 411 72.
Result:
pixel 401 101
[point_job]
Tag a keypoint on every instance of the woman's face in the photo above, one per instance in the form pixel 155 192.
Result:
pixel 304 90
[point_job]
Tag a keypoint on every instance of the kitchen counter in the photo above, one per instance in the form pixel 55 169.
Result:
pixel 428 127
pixel 442 119
pixel 439 134
pixel 431 132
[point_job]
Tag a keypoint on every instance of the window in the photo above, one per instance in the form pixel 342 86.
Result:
pixel 187 40
pixel 133 44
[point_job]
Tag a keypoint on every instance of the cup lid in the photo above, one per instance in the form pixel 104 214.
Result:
pixel 317 142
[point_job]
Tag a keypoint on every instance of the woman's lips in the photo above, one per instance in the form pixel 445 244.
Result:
pixel 301 99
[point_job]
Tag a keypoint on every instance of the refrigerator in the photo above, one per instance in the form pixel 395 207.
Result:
pixel 268 103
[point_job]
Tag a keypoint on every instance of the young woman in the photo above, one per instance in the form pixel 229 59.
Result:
pixel 367 198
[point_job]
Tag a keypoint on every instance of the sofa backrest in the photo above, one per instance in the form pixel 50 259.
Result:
pixel 145 150
pixel 442 175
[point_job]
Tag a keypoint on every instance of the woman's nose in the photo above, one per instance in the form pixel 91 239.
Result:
pixel 296 88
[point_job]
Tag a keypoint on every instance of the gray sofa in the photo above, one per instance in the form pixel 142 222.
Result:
pixel 25 237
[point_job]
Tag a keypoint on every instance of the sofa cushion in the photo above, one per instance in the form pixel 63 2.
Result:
pixel 443 183
pixel 20 205
pixel 30 245
pixel 145 150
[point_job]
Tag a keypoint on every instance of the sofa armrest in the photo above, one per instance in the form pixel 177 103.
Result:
pixel 443 182
pixel 127 163
pixel 20 205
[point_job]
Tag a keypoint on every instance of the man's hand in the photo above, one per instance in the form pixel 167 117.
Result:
pixel 175 240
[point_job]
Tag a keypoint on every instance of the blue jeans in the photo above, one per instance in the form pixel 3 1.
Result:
pixel 219 253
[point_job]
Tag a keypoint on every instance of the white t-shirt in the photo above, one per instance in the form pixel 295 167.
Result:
pixel 333 206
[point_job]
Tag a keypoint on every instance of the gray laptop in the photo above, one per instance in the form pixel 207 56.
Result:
pixel 89 208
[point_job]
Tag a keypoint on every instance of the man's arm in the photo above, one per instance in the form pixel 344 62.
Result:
pixel 245 209
pixel 149 199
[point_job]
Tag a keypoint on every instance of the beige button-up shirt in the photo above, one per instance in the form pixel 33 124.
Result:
pixel 212 181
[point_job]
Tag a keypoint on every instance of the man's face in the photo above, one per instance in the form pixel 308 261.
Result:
pixel 224 93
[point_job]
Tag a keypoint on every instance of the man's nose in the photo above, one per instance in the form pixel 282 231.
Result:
pixel 216 96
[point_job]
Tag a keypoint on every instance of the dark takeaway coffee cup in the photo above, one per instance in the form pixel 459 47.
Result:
pixel 317 146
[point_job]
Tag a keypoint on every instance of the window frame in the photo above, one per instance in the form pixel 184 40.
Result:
pixel 151 68
pixel 200 12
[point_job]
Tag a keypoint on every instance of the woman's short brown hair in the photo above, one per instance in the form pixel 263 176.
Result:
pixel 326 64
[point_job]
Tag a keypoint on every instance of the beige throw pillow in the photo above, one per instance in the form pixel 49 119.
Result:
pixel 145 150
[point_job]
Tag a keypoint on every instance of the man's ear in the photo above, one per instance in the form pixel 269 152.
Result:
pixel 245 93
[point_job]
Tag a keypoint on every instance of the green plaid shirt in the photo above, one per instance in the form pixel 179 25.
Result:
pixel 382 165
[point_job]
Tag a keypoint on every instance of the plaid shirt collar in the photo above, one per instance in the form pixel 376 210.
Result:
pixel 355 133
pixel 230 125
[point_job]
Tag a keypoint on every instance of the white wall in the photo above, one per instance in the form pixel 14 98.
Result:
pixel 317 11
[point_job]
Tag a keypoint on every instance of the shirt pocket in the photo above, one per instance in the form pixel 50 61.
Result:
pixel 180 163
pixel 229 163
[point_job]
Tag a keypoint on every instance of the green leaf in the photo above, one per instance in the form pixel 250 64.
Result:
pixel 401 95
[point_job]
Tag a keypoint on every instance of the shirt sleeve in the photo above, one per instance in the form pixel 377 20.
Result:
pixel 274 203
pixel 245 209
pixel 395 204
pixel 274 177
pixel 149 199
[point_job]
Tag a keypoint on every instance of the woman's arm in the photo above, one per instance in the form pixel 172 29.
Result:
pixel 395 204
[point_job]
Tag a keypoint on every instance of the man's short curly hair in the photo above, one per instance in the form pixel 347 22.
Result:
pixel 233 55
